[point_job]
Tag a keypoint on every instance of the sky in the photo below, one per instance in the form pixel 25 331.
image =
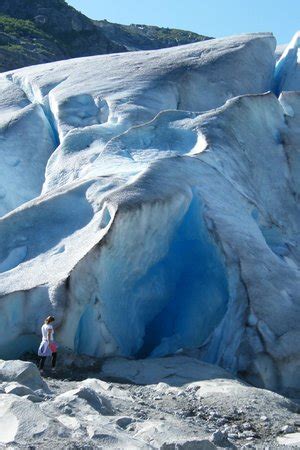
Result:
pixel 214 18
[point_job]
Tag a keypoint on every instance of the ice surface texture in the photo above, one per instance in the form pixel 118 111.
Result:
pixel 149 202
pixel 287 72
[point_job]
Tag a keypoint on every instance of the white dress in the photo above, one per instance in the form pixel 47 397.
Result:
pixel 44 349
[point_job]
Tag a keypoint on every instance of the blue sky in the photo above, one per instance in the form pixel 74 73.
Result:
pixel 210 17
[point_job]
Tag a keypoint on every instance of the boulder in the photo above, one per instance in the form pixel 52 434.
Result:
pixel 172 435
pixel 291 440
pixel 83 399
pixel 24 373
pixel 171 370
pixel 20 420
pixel 18 389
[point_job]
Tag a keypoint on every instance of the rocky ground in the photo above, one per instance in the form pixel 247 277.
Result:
pixel 169 403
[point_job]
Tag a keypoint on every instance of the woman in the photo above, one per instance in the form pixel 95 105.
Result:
pixel 47 347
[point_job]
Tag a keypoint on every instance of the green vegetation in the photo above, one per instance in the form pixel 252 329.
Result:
pixel 12 47
pixel 23 43
pixel 166 34
pixel 57 4
pixel 20 28
pixel 174 34
pixel 147 37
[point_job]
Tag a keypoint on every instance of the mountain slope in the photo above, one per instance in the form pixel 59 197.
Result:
pixel 22 43
pixel 52 30
pixel 39 31
pixel 146 37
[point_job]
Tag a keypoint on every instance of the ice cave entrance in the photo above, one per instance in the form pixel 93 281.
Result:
pixel 176 302
pixel 198 290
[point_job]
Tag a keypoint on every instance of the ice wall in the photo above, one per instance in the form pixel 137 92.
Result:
pixel 163 213
pixel 287 70
pixel 26 143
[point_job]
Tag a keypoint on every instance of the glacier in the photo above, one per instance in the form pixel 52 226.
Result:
pixel 149 201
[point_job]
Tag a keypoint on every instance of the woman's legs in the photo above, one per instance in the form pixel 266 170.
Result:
pixel 54 356
pixel 43 359
pixel 42 362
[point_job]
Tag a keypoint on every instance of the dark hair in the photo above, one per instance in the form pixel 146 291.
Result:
pixel 49 319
